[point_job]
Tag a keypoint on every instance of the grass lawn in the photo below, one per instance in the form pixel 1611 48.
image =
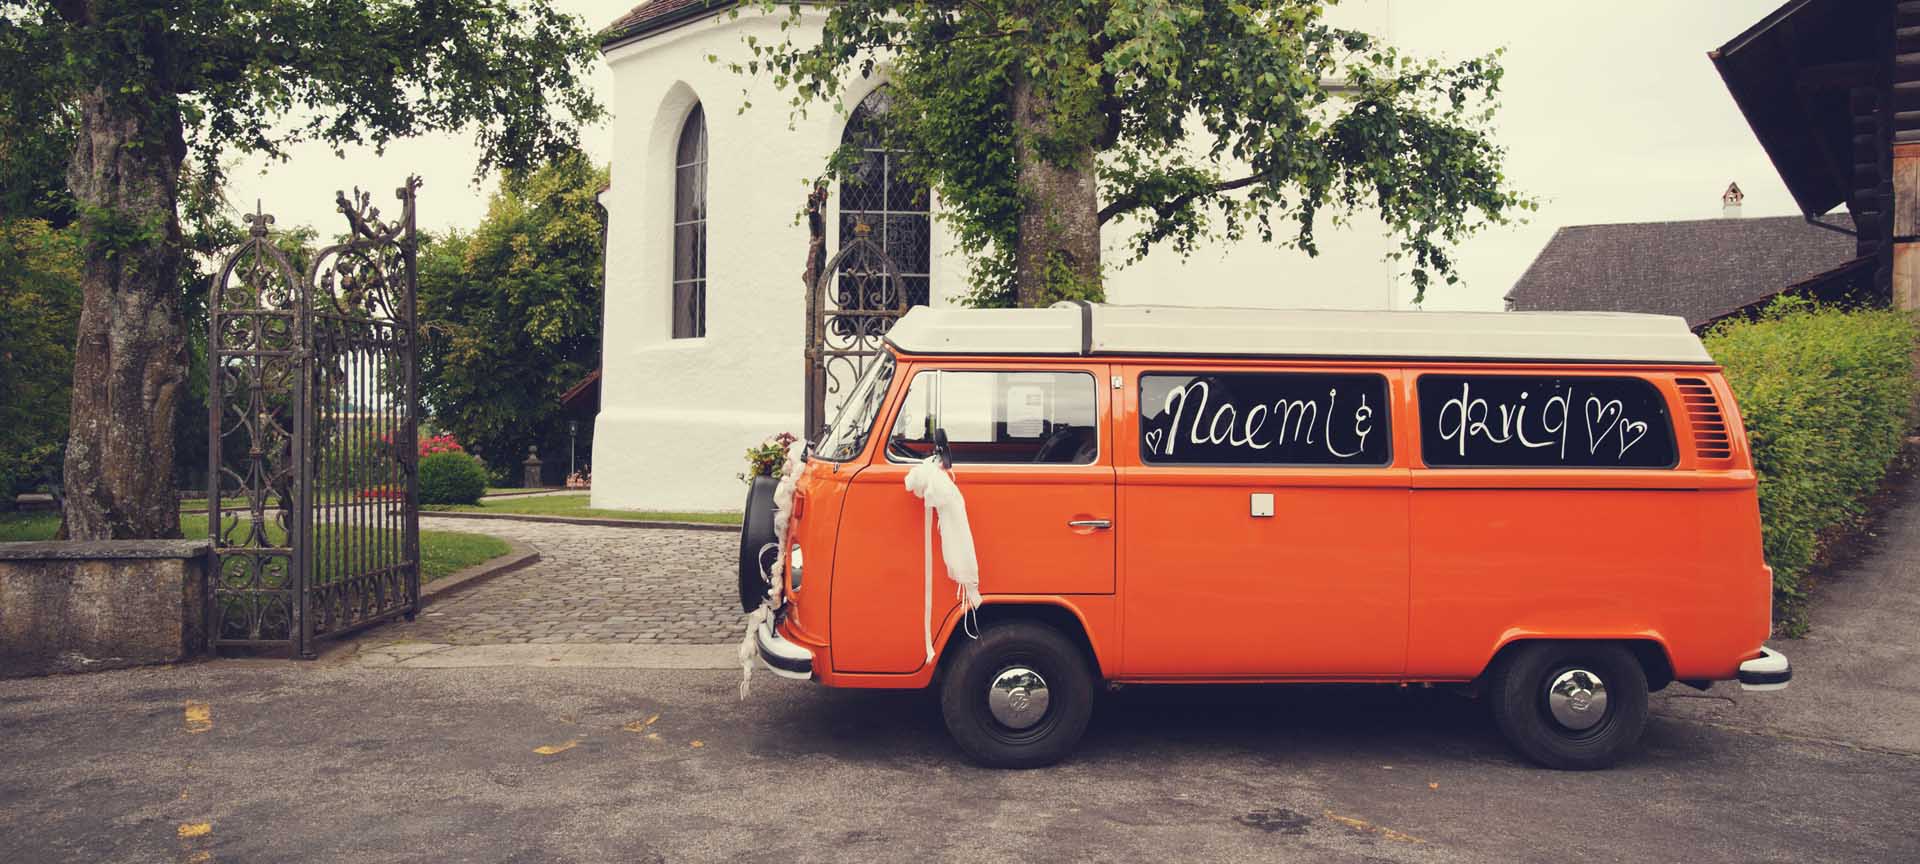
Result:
pixel 239 503
pixel 576 505
pixel 34 525
pixel 441 552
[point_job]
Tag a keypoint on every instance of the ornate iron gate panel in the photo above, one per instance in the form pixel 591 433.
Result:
pixel 317 381
pixel 256 371
pixel 849 311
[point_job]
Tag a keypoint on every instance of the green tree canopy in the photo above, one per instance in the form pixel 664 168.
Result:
pixel 513 312
pixel 127 90
pixel 39 304
pixel 1040 121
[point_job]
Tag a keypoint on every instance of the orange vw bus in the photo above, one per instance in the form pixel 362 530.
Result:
pixel 1557 508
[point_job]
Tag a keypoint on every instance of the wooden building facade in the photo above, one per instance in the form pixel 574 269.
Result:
pixel 1831 89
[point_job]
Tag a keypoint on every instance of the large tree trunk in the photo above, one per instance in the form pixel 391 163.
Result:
pixel 1058 253
pixel 130 358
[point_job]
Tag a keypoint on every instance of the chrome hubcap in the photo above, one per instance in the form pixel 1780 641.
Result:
pixel 1577 699
pixel 1018 697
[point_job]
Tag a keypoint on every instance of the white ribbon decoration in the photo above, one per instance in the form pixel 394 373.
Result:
pixel 776 596
pixel 934 485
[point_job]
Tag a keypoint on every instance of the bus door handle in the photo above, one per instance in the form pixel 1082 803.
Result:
pixel 1090 523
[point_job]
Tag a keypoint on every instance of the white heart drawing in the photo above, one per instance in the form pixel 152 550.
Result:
pixel 1153 440
pixel 1639 428
pixel 1593 416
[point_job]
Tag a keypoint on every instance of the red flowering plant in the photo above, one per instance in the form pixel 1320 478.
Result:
pixel 440 444
pixel 429 445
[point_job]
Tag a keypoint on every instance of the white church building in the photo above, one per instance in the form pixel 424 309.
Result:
pixel 705 307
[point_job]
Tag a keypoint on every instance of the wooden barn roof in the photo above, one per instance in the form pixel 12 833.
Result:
pixel 1698 270
pixel 1791 73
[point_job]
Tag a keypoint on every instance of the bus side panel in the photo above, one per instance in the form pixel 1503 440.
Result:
pixel 1492 564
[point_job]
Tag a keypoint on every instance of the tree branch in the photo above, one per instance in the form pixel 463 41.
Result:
pixel 1130 203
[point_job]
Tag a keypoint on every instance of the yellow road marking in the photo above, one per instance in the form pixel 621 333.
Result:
pixel 550 749
pixel 697 745
pixel 641 725
pixel 198 718
pixel 1363 825
pixel 195 829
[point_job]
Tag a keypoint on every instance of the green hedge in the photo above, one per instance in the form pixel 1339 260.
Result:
pixel 1826 396
pixel 451 478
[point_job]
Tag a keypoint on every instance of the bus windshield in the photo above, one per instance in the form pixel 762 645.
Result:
pixel 850 430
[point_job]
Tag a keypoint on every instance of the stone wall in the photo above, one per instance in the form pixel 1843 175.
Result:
pixel 85 606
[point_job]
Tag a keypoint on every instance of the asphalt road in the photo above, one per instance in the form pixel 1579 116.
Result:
pixel 273 761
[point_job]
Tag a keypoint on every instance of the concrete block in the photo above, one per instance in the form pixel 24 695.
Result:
pixel 74 606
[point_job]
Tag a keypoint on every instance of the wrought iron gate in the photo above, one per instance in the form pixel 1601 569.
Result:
pixel 313 415
pixel 849 311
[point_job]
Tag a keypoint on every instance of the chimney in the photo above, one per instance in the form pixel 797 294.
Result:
pixel 1730 201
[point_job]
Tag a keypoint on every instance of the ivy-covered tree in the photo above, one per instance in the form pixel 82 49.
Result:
pixel 138 87
pixel 1041 121
pixel 512 312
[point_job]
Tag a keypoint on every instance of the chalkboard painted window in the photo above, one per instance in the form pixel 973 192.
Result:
pixel 1000 417
pixel 1542 421
pixel 1264 418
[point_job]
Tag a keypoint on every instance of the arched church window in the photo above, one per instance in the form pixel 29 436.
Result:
pixel 877 194
pixel 690 229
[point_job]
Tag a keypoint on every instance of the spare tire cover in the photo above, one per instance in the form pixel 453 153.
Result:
pixel 759 545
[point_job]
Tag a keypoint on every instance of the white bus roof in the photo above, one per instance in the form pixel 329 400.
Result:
pixel 1082 329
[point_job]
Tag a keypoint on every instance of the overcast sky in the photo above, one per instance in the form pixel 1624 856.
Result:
pixel 1611 113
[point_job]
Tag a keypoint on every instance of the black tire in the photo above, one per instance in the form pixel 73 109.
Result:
pixel 758 542
pixel 1518 689
pixel 973 664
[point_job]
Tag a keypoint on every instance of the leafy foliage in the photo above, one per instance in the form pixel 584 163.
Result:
pixel 261 75
pixel 1826 396
pixel 39 304
pixel 116 94
pixel 514 312
pixel 1205 120
pixel 452 478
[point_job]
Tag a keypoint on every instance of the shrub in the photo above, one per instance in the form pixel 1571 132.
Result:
pixel 452 478
pixel 1826 396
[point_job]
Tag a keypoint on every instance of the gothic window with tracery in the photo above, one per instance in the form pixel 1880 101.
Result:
pixel 876 193
pixel 690 229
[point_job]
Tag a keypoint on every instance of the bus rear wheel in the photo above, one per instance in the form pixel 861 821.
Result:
pixel 1017 697
pixel 1570 705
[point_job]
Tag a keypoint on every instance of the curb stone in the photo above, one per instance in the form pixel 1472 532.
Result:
pixel 581 520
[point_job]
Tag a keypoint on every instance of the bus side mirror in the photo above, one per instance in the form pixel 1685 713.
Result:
pixel 941 449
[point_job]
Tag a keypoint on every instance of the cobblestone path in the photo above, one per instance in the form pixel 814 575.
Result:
pixel 592 584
